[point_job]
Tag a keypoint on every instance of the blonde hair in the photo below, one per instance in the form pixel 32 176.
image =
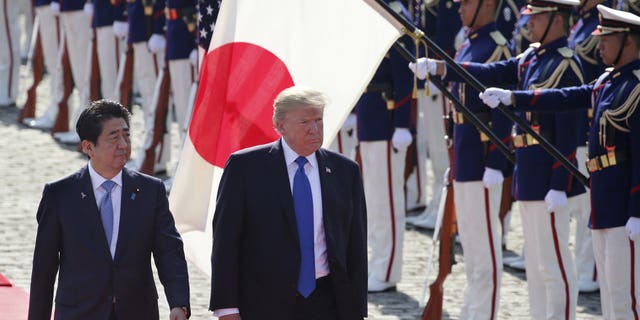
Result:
pixel 297 97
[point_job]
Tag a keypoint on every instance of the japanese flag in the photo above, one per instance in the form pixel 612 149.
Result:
pixel 258 49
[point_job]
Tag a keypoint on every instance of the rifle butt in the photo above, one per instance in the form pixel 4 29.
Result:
pixel 94 82
pixel 433 309
pixel 29 107
pixel 62 120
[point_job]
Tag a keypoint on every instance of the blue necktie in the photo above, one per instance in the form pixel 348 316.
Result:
pixel 106 210
pixel 303 205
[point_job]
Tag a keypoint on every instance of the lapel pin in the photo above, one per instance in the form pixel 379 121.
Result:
pixel 328 170
pixel 83 195
pixel 133 195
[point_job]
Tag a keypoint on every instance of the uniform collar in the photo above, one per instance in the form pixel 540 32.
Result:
pixel 486 29
pixel 620 73
pixel 551 46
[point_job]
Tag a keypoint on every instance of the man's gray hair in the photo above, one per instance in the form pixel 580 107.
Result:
pixel 297 97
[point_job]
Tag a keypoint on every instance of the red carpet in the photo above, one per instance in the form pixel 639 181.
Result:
pixel 14 302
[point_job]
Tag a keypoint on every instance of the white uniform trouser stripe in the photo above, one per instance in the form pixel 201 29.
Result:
pixel 546 243
pixel 557 250
pixel 384 238
pixel 477 211
pixel 618 266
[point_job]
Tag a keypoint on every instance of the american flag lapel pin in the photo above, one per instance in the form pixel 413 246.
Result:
pixel 133 195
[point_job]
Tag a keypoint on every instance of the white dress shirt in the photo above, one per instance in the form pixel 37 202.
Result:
pixel 319 242
pixel 116 200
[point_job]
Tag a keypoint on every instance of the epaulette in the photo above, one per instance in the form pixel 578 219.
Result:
pixel 637 73
pixel 565 52
pixel 498 38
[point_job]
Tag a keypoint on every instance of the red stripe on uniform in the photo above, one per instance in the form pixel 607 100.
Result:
pixel 393 216
pixel 570 157
pixel 634 303
pixel 556 246
pixel 400 103
pixel 634 189
pixel 494 292
pixel 536 95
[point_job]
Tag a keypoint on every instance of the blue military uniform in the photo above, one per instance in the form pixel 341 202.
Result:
pixel 146 23
pixel 477 207
pixel 440 22
pixel 615 189
pixel 614 150
pixel 383 108
pixel 520 40
pixel 585 47
pixel 537 176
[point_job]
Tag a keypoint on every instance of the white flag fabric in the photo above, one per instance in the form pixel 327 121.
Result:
pixel 258 49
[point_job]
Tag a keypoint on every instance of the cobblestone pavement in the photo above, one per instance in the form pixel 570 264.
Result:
pixel 30 158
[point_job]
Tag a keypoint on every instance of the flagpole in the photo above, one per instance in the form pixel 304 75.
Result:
pixel 415 32
pixel 468 114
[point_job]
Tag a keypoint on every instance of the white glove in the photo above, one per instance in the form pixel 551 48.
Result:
pixel 633 229
pixel 156 43
pixel 401 138
pixel 422 66
pixel 555 200
pixel 492 177
pixel 494 96
pixel 350 122
pixel 88 9
pixel 193 57
pixel 120 28
pixel 55 8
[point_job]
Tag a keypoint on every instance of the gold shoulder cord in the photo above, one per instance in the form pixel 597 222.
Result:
pixel 501 52
pixel 586 50
pixel 554 79
pixel 615 117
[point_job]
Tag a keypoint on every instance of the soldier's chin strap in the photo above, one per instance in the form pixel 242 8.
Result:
pixel 624 39
pixel 475 14
pixel 546 30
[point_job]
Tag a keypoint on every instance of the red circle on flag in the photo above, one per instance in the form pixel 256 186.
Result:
pixel 234 104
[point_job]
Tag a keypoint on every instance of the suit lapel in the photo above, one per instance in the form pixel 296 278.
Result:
pixel 327 180
pixel 280 176
pixel 89 211
pixel 130 190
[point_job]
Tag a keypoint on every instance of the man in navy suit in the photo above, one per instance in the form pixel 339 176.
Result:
pixel 99 227
pixel 280 252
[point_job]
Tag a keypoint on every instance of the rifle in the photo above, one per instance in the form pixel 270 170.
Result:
pixel 161 102
pixel 416 33
pixel 36 61
pixel 62 120
pixel 94 84
pixel 124 82
pixel 445 231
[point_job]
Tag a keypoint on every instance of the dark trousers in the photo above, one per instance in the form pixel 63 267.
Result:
pixel 320 305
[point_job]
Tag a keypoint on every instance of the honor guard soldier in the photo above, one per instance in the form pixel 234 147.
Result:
pixel 521 38
pixel 478 166
pixel 9 52
pixel 614 156
pixel 346 139
pixel 108 46
pixel 542 186
pixel 146 21
pixel 51 35
pixel 383 131
pixel 585 47
pixel 182 56
pixel 441 22
pixel 76 26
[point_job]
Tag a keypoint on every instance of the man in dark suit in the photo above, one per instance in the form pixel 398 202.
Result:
pixel 99 226
pixel 289 230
